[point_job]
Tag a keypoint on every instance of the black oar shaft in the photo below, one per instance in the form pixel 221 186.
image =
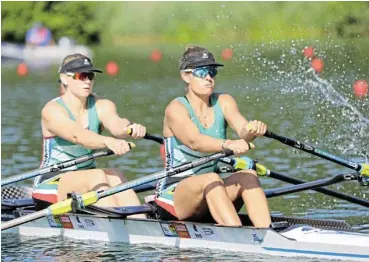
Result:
pixel 323 190
pixel 155 138
pixel 162 174
pixel 313 151
pixel 69 163
pixel 55 167
pixel 301 187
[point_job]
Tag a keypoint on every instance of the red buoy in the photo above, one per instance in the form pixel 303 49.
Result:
pixel 361 88
pixel 22 69
pixel 317 64
pixel 308 52
pixel 227 53
pixel 156 55
pixel 112 68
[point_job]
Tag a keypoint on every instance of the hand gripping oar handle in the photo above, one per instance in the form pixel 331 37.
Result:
pixel 55 167
pixel 314 151
pixel 156 138
pixel 93 196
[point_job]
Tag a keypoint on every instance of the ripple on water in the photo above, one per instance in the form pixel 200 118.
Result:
pixel 63 249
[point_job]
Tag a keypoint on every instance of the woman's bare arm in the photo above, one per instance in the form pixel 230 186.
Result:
pixel 179 122
pixel 57 121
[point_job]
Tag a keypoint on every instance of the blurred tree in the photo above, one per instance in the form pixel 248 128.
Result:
pixel 183 22
pixel 71 19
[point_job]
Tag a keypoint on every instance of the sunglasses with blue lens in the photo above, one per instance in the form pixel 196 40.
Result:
pixel 202 72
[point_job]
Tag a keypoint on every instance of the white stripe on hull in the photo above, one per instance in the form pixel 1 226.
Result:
pixel 309 242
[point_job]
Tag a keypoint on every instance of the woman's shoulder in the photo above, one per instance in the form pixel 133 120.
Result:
pixel 226 101
pixel 53 103
pixel 176 101
pixel 223 97
pixel 53 108
pixel 175 106
pixel 102 101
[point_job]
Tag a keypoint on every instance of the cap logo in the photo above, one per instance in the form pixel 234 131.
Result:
pixel 86 62
pixel 205 55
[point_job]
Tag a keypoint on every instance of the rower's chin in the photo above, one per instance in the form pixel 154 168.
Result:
pixel 208 91
pixel 86 91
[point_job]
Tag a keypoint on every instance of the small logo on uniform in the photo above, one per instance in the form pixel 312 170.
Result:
pixel 86 62
pixel 205 55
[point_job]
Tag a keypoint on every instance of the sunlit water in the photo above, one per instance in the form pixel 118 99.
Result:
pixel 271 83
pixel 41 249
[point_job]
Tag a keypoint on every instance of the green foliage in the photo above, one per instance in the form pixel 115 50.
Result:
pixel 183 22
pixel 72 19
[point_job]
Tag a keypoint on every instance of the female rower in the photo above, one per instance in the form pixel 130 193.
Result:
pixel 195 125
pixel 71 127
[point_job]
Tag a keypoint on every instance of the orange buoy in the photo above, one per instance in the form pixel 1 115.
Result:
pixel 156 55
pixel 227 53
pixel 361 88
pixel 22 69
pixel 308 52
pixel 112 68
pixel 317 64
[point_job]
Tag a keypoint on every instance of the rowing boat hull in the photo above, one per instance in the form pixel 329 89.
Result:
pixel 33 55
pixel 302 241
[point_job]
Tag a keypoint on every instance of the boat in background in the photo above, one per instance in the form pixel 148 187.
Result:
pixel 34 55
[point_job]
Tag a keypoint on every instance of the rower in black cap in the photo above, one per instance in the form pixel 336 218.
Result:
pixel 71 127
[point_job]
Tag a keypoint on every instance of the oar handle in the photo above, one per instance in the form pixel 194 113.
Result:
pixel 313 151
pixel 156 138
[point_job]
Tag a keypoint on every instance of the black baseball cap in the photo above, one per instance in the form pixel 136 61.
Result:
pixel 198 59
pixel 80 64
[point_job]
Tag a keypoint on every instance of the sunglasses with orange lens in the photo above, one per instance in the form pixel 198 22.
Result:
pixel 82 75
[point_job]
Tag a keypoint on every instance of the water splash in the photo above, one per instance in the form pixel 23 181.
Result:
pixel 354 130
pixel 330 115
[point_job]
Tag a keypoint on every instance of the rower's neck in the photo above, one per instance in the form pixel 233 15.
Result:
pixel 74 103
pixel 199 102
